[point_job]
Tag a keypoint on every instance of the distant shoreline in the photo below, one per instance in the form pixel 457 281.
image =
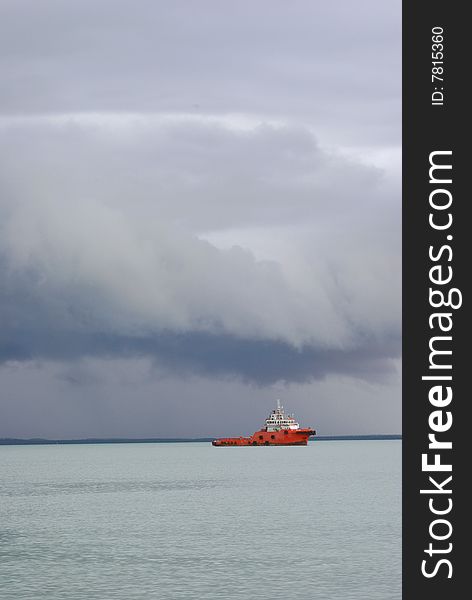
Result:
pixel 40 441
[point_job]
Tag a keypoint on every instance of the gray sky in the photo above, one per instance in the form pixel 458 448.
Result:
pixel 199 213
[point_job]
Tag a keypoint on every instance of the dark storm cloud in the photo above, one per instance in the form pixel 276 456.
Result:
pixel 254 361
pixel 101 255
pixel 60 328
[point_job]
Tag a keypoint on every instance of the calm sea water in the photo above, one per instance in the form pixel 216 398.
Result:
pixel 189 521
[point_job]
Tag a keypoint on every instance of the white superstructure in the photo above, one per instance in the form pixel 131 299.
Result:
pixel 278 420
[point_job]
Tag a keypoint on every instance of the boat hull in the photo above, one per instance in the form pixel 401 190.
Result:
pixel 286 437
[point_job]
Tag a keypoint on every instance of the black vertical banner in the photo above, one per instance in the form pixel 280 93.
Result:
pixel 436 265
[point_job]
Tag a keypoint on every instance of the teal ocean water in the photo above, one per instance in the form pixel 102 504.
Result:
pixel 189 521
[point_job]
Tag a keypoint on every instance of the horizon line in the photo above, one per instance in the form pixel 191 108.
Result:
pixel 48 441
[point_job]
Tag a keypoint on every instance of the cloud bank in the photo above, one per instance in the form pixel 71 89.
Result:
pixel 104 246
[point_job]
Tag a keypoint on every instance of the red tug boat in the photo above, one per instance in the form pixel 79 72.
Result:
pixel 279 430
